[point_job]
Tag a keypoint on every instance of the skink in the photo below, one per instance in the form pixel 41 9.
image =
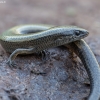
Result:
pixel 34 38
pixel 28 39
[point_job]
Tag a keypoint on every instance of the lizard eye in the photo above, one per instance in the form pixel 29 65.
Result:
pixel 77 33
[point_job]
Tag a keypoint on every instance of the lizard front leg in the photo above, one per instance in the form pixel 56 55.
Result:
pixel 10 61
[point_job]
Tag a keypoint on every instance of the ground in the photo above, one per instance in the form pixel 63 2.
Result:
pixel 65 79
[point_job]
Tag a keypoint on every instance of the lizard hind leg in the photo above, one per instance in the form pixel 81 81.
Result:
pixel 44 54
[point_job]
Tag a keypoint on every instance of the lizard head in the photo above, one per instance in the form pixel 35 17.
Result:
pixel 71 34
pixel 79 33
pixel 75 33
